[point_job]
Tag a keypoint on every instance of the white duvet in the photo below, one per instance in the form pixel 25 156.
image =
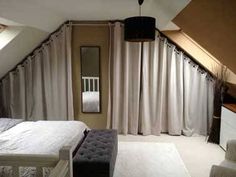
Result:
pixel 41 137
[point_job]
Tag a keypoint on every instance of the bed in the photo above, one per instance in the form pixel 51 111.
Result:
pixel 91 94
pixel 41 148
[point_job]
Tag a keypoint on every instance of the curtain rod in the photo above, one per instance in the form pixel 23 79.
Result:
pixel 93 23
pixel 169 40
pixel 178 47
pixel 74 22
pixel 87 24
pixel 69 23
pixel 103 23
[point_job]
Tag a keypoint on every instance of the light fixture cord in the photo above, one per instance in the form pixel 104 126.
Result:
pixel 140 2
pixel 140 10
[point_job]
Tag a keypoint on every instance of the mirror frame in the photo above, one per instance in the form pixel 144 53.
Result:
pixel 81 83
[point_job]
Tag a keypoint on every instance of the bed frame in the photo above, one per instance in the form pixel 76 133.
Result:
pixel 90 84
pixel 62 165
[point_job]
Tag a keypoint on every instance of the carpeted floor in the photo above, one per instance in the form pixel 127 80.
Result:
pixel 197 155
pixel 148 159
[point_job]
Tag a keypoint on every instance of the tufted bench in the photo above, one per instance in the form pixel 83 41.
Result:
pixel 97 155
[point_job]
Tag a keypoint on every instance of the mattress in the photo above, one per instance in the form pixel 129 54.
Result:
pixel 41 137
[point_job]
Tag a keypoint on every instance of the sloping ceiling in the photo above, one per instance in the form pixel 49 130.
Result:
pixel 25 40
pixel 38 18
pixel 212 24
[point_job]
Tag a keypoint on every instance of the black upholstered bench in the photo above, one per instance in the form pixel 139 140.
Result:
pixel 96 156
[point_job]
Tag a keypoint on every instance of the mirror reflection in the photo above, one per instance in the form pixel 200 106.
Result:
pixel 90 79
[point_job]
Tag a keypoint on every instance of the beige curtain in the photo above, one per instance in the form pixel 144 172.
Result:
pixel 124 87
pixel 162 89
pixel 198 100
pixel 41 87
pixel 159 97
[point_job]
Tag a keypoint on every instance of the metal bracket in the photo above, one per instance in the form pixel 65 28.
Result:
pixel 140 2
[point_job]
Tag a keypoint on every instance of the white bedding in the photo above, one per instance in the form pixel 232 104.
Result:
pixel 7 123
pixel 91 102
pixel 41 137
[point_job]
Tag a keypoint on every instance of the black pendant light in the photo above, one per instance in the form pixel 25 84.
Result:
pixel 139 28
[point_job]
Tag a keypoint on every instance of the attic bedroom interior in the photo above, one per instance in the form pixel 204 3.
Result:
pixel 107 88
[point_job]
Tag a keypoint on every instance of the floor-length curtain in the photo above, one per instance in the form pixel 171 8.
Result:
pixel 125 88
pixel 41 87
pixel 162 91
pixel 166 95
pixel 198 100
pixel 210 102
pixel 149 104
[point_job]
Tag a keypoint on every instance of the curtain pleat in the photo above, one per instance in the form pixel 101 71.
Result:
pixel 41 87
pixel 210 105
pixel 162 96
pixel 38 111
pixel 149 96
pixel 22 93
pixel 162 120
pixel 125 88
pixel 5 96
pixel 174 91
pixel 1 101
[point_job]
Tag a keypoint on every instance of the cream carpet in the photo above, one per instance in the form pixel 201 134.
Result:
pixel 147 159
pixel 197 155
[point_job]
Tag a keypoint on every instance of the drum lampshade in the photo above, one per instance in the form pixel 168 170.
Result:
pixel 139 29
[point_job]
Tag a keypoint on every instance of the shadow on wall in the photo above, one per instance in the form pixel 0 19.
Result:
pixel 3 113
pixel 231 94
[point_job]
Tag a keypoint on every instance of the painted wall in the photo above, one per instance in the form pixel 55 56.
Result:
pixel 212 24
pixel 90 36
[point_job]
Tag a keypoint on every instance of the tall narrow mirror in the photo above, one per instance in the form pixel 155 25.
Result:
pixel 90 79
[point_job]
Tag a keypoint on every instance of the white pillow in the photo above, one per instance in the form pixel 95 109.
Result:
pixel 7 123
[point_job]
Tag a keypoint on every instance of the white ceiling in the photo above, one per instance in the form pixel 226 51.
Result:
pixel 47 15
pixel 38 18
pixel 8 22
